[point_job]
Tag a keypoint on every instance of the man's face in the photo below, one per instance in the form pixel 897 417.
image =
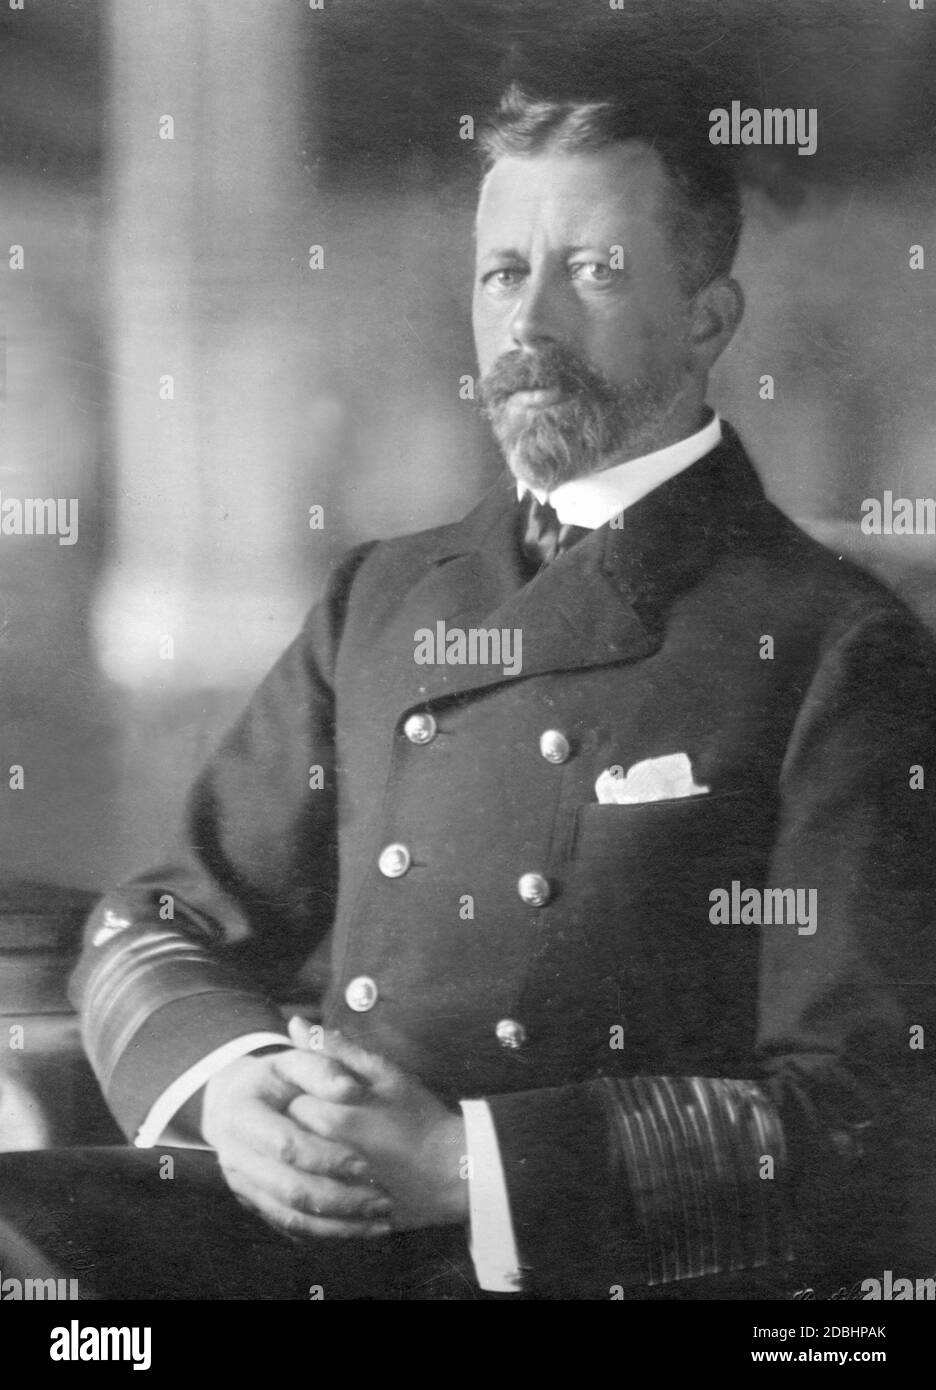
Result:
pixel 581 326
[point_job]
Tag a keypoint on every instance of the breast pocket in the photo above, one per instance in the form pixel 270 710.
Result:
pixel 671 853
pixel 640 879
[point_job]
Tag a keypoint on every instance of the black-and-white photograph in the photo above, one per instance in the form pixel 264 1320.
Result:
pixel 468 657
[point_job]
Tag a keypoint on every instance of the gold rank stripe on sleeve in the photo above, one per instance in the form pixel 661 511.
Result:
pixel 139 971
pixel 703 1160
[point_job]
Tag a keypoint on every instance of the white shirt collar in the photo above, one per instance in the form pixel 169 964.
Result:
pixel 595 499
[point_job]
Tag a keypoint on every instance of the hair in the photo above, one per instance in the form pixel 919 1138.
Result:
pixel 704 204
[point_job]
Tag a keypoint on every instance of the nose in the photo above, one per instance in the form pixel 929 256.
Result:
pixel 536 319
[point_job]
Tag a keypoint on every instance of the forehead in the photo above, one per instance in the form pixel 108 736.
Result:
pixel 573 198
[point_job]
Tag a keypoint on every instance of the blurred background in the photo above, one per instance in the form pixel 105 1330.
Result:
pixel 174 362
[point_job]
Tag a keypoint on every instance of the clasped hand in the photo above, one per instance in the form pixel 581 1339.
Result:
pixel 330 1140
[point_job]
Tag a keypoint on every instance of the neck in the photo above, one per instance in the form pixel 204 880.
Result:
pixel 678 421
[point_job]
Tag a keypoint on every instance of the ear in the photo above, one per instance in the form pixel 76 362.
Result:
pixel 716 313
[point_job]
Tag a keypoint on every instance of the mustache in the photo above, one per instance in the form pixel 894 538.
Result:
pixel 549 368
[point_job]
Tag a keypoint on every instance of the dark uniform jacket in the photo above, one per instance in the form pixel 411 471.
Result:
pixel 674 1096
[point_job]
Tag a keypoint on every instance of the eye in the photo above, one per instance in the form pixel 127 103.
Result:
pixel 591 272
pixel 502 281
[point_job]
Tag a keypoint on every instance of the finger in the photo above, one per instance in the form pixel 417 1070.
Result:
pixel 297 1224
pixel 345 1125
pixel 264 1131
pixel 319 1074
pixel 309 1193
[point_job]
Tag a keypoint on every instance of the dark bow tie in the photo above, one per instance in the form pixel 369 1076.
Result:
pixel 544 537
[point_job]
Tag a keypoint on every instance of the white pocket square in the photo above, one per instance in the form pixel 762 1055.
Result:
pixel 655 779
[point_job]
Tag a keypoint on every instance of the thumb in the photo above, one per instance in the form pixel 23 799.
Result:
pixel 304 1035
pixel 367 1065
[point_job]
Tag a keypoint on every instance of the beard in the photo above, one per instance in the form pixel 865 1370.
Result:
pixel 594 420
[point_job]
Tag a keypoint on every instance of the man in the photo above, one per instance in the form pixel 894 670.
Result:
pixel 605 957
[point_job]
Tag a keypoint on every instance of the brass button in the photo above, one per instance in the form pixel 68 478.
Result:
pixel 361 994
pixel 394 861
pixel 554 746
pixel 111 924
pixel 510 1033
pixel 534 889
pixel 420 728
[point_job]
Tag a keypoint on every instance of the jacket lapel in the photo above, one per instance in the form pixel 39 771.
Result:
pixel 602 602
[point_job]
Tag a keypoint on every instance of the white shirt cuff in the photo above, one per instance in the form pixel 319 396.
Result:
pixel 156 1128
pixel 493 1244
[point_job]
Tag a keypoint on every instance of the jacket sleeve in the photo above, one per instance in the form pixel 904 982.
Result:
pixel 819 1154
pixel 165 977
